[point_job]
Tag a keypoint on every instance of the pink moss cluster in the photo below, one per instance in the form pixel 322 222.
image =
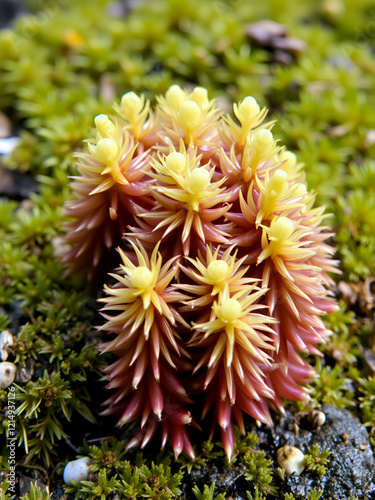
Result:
pixel 219 264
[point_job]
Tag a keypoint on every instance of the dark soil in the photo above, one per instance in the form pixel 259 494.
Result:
pixel 350 469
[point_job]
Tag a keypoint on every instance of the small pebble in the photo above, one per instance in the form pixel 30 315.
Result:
pixel 263 32
pixel 5 126
pixel 77 470
pixel 290 44
pixel 291 459
pixel 8 144
pixel 316 418
pixel 370 138
pixel 6 339
pixel 7 374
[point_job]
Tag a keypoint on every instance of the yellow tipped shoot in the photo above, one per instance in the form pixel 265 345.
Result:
pixel 107 150
pixel 131 105
pixel 200 96
pixel 135 110
pixel 218 270
pixel 277 184
pixel 142 278
pixel 175 96
pixel 289 159
pixel 262 146
pixel 250 116
pixel 104 126
pixel 199 180
pixel 176 162
pixel 229 310
pixel 281 229
pixel 247 110
pixel 289 164
pixel 300 190
pixel 262 141
pixel 189 115
pixel 279 233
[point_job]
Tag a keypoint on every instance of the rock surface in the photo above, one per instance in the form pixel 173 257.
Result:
pixel 351 466
pixel 350 470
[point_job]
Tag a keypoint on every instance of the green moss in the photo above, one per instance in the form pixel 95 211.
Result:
pixel 330 387
pixel 259 473
pixel 130 481
pixel 207 493
pixel 36 494
pixel 367 405
pixel 316 460
pixel 4 486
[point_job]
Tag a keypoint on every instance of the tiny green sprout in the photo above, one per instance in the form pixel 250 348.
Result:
pixel 98 490
pixel 316 460
pixel 49 389
pixel 312 495
pixel 24 345
pixel 201 459
pixel 36 493
pixel 243 444
pixel 259 472
pixel 329 387
pixel 108 455
pixel 139 481
pixel 367 387
pixel 45 406
pixel 257 495
pixel 159 482
pixel 342 346
pixel 208 493
pixel 4 486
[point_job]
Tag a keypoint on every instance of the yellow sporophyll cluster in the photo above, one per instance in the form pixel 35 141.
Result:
pixel 220 263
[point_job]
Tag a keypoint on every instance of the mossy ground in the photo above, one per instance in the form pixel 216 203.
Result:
pixel 66 63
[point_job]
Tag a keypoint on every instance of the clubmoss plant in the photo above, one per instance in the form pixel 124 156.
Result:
pixel 42 403
pixel 207 493
pixel 316 460
pixel 259 473
pixel 4 486
pixel 330 387
pixel 218 211
pixel 36 493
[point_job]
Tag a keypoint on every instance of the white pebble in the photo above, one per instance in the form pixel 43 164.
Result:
pixel 291 459
pixel 6 338
pixel 8 144
pixel 77 470
pixel 7 374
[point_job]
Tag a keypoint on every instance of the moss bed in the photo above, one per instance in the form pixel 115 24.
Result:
pixel 64 62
